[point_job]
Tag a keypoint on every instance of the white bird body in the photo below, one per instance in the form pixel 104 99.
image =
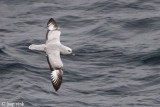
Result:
pixel 53 49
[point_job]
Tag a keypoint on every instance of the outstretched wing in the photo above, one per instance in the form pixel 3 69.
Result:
pixel 37 47
pixel 55 64
pixel 56 78
pixel 53 30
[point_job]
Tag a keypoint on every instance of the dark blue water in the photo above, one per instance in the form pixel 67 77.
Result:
pixel 117 46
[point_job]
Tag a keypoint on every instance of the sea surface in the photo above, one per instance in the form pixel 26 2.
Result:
pixel 117 47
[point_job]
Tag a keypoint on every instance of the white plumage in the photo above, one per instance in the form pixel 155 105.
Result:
pixel 53 48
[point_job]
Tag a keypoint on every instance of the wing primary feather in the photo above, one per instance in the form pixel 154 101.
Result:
pixel 56 78
pixel 52 21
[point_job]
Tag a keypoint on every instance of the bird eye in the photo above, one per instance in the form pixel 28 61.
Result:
pixel 69 51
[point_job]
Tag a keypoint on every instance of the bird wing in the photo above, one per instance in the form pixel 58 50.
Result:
pixel 53 35
pixel 56 78
pixel 55 64
pixel 55 32
pixel 37 47
pixel 53 22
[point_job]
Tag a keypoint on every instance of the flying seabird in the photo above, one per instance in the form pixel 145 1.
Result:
pixel 53 49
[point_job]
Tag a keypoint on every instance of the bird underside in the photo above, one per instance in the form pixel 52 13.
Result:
pixel 53 49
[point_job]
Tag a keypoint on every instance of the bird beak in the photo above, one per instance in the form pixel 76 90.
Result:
pixel 72 54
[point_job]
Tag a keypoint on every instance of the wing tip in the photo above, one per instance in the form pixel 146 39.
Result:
pixel 56 78
pixel 51 20
pixel 31 47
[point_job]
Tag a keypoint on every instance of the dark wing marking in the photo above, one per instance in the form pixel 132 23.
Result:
pixel 56 78
pixel 52 21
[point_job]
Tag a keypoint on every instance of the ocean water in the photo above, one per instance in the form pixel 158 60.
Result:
pixel 117 47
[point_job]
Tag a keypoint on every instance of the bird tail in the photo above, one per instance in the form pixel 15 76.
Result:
pixel 37 47
pixel 56 78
